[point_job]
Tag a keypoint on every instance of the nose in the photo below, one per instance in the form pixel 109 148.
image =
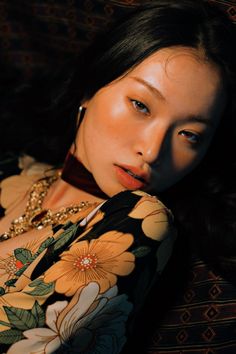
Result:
pixel 153 144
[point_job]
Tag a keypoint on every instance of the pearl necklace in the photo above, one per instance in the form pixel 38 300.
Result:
pixel 35 217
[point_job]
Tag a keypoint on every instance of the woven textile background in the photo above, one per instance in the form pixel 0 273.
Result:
pixel 38 34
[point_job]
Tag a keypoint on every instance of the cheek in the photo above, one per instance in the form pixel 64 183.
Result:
pixel 186 159
pixel 108 123
pixel 100 138
pixel 184 156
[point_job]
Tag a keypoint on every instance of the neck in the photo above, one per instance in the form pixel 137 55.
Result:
pixel 78 176
pixel 75 185
pixel 62 194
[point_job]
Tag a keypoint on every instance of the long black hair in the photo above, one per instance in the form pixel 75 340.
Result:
pixel 156 25
pixel 204 202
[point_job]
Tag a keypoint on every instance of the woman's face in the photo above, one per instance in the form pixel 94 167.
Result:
pixel 151 127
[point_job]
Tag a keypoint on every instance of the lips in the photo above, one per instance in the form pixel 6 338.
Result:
pixel 131 177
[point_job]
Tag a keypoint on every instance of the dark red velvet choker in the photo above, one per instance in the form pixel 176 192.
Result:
pixel 78 176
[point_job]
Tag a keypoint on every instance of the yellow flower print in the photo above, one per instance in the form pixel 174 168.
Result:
pixel 99 260
pixel 156 217
pixel 8 267
pixel 12 263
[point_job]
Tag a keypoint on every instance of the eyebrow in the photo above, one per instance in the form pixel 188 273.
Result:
pixel 149 87
pixel 198 119
pixel 191 118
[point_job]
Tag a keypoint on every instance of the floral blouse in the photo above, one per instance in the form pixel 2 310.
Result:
pixel 77 289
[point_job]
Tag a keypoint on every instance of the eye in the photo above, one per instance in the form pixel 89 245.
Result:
pixel 191 137
pixel 140 107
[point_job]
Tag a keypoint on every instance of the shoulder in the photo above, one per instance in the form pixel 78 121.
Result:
pixel 15 187
pixel 143 211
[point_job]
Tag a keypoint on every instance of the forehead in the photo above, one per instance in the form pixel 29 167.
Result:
pixel 179 64
pixel 183 75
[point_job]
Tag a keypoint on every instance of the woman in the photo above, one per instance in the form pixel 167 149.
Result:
pixel 83 245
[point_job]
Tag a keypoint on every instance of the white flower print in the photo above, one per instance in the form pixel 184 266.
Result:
pixel 89 323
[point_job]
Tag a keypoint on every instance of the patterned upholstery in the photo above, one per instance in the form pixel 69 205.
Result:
pixel 203 320
pixel 38 34
pixel 41 33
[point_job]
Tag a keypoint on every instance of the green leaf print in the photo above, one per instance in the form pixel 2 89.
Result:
pixel 10 282
pixel 21 271
pixel 36 282
pixel 66 236
pixel 45 244
pixel 6 324
pixel 41 288
pixel 20 318
pixel 141 251
pixel 2 291
pixel 23 255
pixel 10 336
pixel 38 314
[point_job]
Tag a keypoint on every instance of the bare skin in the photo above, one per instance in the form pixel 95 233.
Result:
pixel 162 128
pixel 146 130
pixel 158 120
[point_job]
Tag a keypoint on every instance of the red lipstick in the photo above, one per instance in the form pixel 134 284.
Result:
pixel 131 177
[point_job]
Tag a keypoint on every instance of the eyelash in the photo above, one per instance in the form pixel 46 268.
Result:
pixel 190 135
pixel 139 106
